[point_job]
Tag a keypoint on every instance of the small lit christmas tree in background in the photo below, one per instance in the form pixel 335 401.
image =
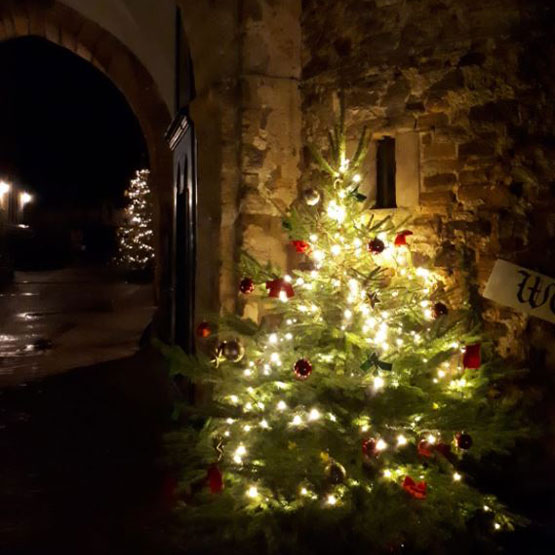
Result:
pixel 136 236
pixel 347 418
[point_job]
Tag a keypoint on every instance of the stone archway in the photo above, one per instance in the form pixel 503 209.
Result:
pixel 64 26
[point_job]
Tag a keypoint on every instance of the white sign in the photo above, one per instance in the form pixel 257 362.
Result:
pixel 522 289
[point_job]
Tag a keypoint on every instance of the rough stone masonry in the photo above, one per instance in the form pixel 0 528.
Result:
pixel 475 80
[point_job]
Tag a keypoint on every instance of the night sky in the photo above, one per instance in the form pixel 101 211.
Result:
pixel 66 132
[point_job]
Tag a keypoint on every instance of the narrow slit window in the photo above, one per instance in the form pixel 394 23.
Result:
pixel 386 170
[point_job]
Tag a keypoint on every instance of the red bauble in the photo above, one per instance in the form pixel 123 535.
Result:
pixel 246 286
pixel 301 246
pixel 464 441
pixel 425 448
pixel 472 357
pixel 204 330
pixel 438 310
pixel 215 479
pixel 369 450
pixel 401 238
pixel 276 286
pixel 303 369
pixel 417 490
pixel 376 246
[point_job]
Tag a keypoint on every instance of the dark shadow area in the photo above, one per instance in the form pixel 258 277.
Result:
pixel 78 472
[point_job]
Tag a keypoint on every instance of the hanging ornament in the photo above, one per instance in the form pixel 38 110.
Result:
pixel 246 286
pixel 311 196
pixel 376 246
pixel 425 448
pixel 335 472
pixel 215 479
pixel 277 286
pixel 472 357
pixel 438 310
pixel 231 350
pixel 417 490
pixel 369 449
pixel 303 369
pixel 464 440
pixel 401 238
pixel 301 246
pixel 204 330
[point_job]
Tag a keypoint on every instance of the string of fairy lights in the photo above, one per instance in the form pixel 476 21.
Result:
pixel 136 248
pixel 339 254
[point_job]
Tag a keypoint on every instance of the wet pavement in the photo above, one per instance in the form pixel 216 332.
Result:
pixel 53 321
pixel 82 413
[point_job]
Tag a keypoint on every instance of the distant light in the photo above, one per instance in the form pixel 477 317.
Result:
pixel 25 198
pixel 4 188
pixel 332 500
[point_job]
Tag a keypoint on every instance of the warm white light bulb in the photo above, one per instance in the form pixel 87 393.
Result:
pixel 387 473
pixel 379 382
pixel 281 406
pixel 457 477
pixel 335 250
pixel 264 424
pixel 401 440
pixel 252 492
pixel 381 445
pixel 314 414
pixel 297 420
pixel 273 338
pixel 331 500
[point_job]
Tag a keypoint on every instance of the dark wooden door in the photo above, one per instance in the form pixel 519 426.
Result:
pixel 183 144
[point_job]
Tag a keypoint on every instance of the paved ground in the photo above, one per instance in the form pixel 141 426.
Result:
pixel 82 413
pixel 53 321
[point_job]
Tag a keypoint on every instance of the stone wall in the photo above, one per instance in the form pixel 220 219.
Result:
pixel 247 112
pixel 476 81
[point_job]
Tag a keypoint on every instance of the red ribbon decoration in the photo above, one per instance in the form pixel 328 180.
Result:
pixel 401 239
pixel 277 285
pixel 302 246
pixel 472 357
pixel 215 479
pixel 417 490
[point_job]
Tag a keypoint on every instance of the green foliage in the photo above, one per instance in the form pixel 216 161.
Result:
pixel 383 369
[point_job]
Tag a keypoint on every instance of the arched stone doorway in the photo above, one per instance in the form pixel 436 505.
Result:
pixel 66 27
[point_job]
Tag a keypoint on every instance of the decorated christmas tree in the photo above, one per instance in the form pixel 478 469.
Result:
pixel 350 416
pixel 135 236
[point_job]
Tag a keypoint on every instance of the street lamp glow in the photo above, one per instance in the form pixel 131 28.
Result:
pixel 5 188
pixel 25 198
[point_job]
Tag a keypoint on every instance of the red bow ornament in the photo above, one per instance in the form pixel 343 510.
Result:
pixel 301 246
pixel 401 239
pixel 472 357
pixel 276 286
pixel 417 490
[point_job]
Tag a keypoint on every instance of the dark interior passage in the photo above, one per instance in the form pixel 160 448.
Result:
pixel 68 137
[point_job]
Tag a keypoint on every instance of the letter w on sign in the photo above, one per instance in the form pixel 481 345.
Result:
pixel 522 289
